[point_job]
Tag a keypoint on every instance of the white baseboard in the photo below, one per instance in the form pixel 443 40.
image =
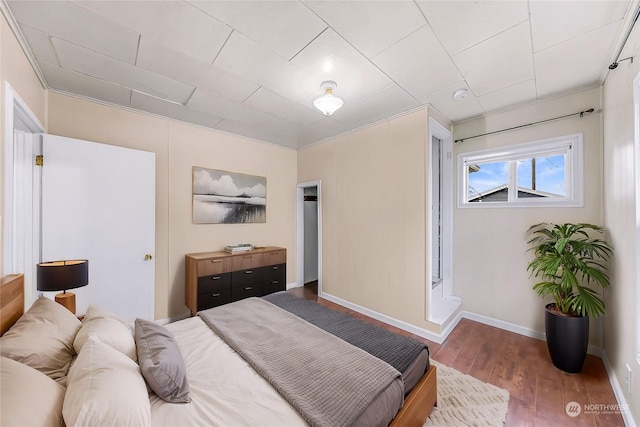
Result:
pixel 518 329
pixel 173 319
pixel 421 332
pixel 617 391
pixel 293 285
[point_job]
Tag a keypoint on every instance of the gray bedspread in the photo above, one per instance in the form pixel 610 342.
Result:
pixel 328 381
pixel 397 350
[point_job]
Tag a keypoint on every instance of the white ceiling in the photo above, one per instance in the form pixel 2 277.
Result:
pixel 254 67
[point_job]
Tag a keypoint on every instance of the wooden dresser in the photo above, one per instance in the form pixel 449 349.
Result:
pixel 216 278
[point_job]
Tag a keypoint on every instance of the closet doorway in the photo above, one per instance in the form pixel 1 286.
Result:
pixel 309 236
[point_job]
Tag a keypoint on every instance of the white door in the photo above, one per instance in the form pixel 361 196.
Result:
pixel 98 203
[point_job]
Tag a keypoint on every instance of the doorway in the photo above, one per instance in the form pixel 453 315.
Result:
pixel 309 236
pixel 443 305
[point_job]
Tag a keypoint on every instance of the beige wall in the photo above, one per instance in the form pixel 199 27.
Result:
pixel 490 251
pixel 374 216
pixel 178 147
pixel 17 71
pixel 619 214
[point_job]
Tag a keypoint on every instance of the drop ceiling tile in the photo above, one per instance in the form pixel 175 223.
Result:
pixel 370 26
pixel 168 109
pixel 513 95
pixel 454 109
pixel 103 67
pixel 79 84
pixel 385 103
pixel 161 59
pixel 211 103
pixel 462 24
pixel 173 23
pixel 40 45
pixel 68 21
pixel 569 65
pixel 267 101
pixel 244 129
pixel 254 63
pixel 282 126
pixel 419 63
pixel 285 27
pixel 554 22
pixel 325 128
pixel 499 62
pixel 329 57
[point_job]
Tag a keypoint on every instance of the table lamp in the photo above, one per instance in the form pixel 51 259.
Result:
pixel 63 275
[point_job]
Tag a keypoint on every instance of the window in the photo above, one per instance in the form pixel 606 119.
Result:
pixel 541 173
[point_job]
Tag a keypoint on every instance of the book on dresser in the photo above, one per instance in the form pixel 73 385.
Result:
pixel 221 277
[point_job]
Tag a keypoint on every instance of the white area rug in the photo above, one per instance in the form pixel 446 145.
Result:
pixel 467 401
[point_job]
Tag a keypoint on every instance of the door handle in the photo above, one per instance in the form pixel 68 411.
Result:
pixel 148 257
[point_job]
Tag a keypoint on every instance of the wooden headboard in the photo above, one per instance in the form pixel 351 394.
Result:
pixel 11 300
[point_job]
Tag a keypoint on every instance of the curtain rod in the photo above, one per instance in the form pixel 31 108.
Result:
pixel 581 113
pixel 614 64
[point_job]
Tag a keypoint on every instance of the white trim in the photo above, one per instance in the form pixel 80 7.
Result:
pixel 517 329
pixel 421 332
pixel 627 417
pixel 168 320
pixel 16 112
pixel 293 285
pixel 11 20
pixel 636 114
pixel 437 130
pixel 573 171
pixel 300 232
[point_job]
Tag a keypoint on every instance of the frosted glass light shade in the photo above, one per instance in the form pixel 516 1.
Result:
pixel 328 103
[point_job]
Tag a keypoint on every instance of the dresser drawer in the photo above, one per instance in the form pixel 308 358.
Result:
pixel 274 272
pixel 246 261
pixel 214 299
pixel 273 286
pixel 246 277
pixel 209 267
pixel 215 282
pixel 241 292
pixel 274 257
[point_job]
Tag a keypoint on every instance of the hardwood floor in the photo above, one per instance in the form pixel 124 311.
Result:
pixel 539 391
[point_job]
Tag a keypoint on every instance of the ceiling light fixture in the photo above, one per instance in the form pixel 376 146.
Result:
pixel 460 94
pixel 328 103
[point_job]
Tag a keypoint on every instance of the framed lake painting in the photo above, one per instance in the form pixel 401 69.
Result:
pixel 221 197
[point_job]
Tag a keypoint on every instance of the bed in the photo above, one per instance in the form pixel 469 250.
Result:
pixel 223 388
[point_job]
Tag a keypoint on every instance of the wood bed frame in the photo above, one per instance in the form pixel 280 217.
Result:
pixel 417 405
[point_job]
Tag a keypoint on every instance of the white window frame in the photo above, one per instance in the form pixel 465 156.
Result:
pixel 574 172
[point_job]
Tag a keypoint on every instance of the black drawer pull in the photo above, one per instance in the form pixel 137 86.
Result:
pixel 215 278
pixel 215 295
pixel 248 288
pixel 273 282
pixel 248 272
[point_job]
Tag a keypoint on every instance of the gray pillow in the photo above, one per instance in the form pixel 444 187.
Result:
pixel 161 362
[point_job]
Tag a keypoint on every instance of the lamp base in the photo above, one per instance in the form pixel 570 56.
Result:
pixel 68 300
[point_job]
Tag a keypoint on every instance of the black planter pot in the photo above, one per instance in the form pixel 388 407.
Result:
pixel 567 340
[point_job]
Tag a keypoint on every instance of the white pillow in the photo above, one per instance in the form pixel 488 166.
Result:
pixel 29 397
pixel 43 338
pixel 94 312
pixel 107 328
pixel 105 387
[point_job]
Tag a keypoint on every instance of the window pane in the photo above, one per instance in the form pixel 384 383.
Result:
pixel 541 177
pixel 488 182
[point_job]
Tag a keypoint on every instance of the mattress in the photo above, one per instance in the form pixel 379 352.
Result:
pixel 226 391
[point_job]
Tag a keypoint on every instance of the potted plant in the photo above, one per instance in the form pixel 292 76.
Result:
pixel 567 260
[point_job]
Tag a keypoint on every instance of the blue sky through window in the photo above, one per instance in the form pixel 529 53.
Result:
pixel 550 175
